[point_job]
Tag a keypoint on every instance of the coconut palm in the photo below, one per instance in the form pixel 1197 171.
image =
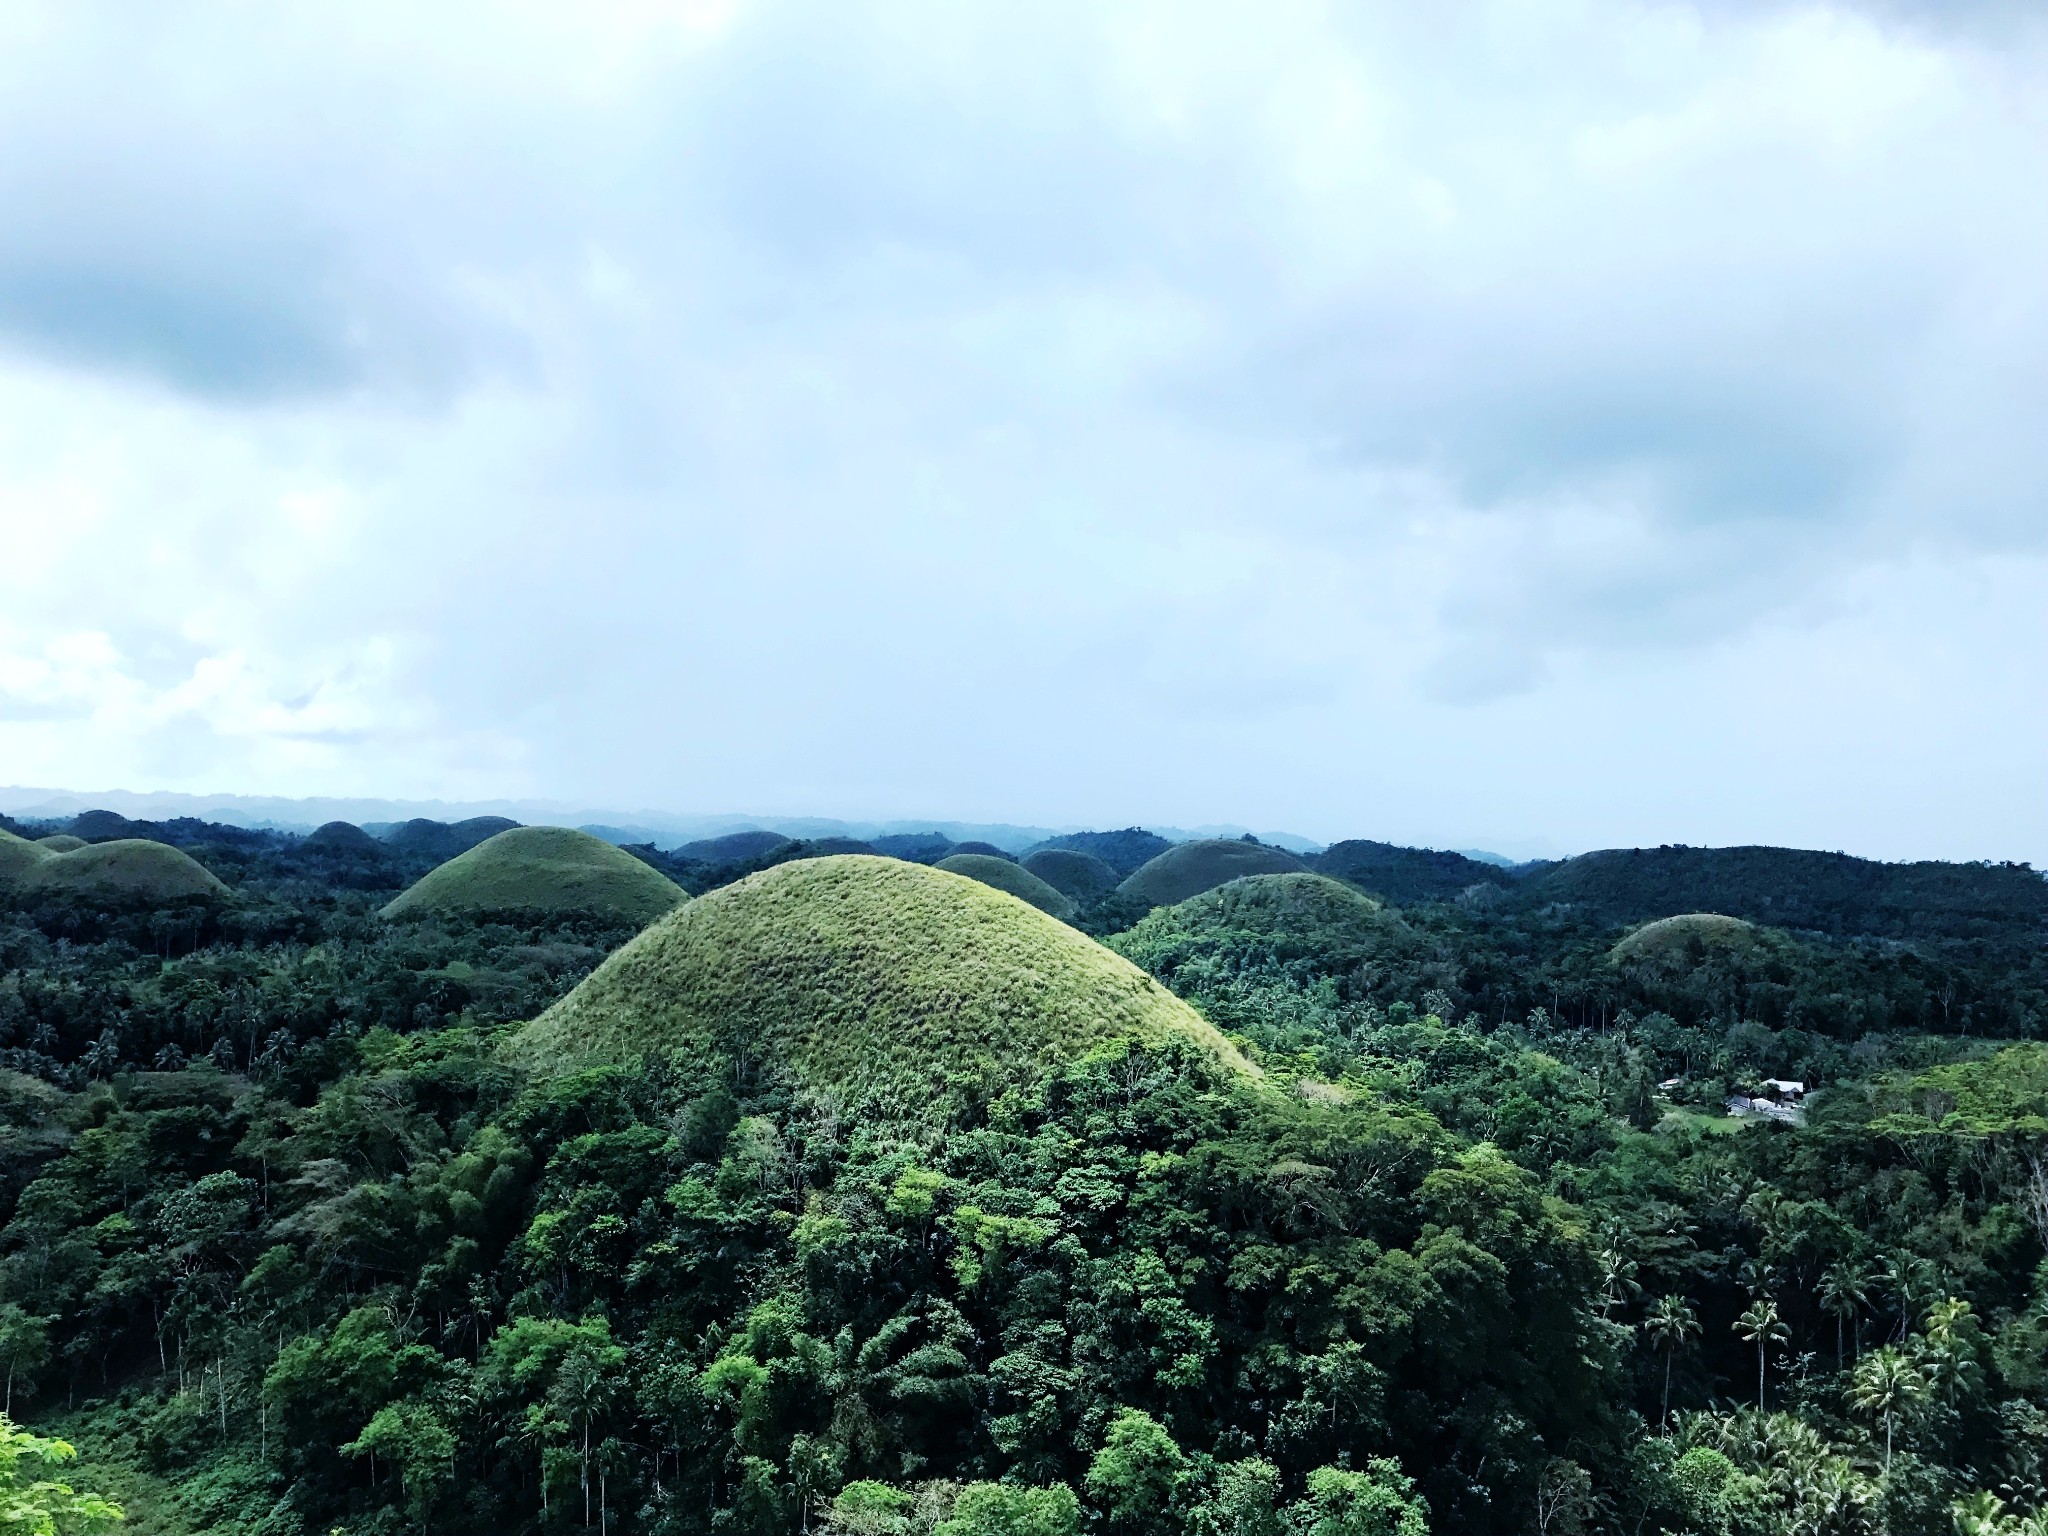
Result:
pixel 1668 1325
pixel 1762 1326
pixel 1844 1290
pixel 1884 1386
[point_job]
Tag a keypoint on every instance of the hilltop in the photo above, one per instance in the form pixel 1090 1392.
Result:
pixel 1188 869
pixel 1081 876
pixel 128 872
pixel 1006 874
pixel 1405 876
pixel 1303 923
pixel 543 869
pixel 871 977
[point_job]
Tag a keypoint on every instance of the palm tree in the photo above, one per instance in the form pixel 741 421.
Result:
pixel 1668 1325
pixel 1763 1328
pixel 1882 1388
pixel 1844 1290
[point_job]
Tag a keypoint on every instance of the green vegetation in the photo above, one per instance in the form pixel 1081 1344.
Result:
pixel 60 842
pixel 1188 869
pixel 871 979
pixel 1008 875
pixel 862 1199
pixel 344 838
pixel 1124 851
pixel 543 869
pixel 128 872
pixel 1082 877
pixel 34 1504
pixel 18 857
pixel 1409 875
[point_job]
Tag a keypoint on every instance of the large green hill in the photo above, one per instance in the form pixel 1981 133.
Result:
pixel 1309 924
pixel 128 872
pixel 1188 869
pixel 543 869
pixel 1008 875
pixel 1406 876
pixel 60 842
pixel 18 856
pixel 870 977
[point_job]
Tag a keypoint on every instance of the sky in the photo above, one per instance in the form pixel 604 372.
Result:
pixel 1540 426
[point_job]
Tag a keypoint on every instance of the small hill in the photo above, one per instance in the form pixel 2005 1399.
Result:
pixel 128 872
pixel 1079 876
pixel 1692 935
pixel 734 847
pixel 543 869
pixel 827 847
pixel 1008 875
pixel 345 838
pixel 1125 852
pixel 1188 869
pixel 1797 888
pixel 60 842
pixel 1407 876
pixel 1305 923
pixel 424 838
pixel 873 978
pixel 18 856
pixel 970 848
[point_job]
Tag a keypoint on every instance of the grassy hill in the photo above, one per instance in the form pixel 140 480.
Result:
pixel 343 837
pixel 1188 869
pixel 18 856
pixel 1406 876
pixel 1307 924
pixel 1687 936
pixel 60 842
pixel 1007 875
pixel 1081 876
pixel 734 847
pixel 876 978
pixel 128 872
pixel 543 869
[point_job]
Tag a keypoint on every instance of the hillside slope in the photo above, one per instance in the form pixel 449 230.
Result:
pixel 869 977
pixel 1008 875
pixel 543 869
pixel 1188 869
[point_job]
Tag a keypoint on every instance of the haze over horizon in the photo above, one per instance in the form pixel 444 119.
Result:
pixel 1599 425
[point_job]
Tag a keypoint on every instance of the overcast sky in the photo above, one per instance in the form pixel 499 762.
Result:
pixel 1544 425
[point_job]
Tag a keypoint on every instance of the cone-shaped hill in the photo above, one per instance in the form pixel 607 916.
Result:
pixel 870 977
pixel 60 842
pixel 1008 875
pixel 128 872
pixel 344 838
pixel 1188 869
pixel 543 869
pixel 18 856
pixel 1301 921
pixel 1082 876
pixel 1688 937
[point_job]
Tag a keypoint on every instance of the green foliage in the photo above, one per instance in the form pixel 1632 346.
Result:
pixel 1006 875
pixel 1188 869
pixel 129 872
pixel 867 978
pixel 543 869
pixel 999 1509
pixel 35 1505
pixel 1082 877
pixel 1378 1500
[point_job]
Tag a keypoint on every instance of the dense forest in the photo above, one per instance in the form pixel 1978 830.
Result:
pixel 1464 1235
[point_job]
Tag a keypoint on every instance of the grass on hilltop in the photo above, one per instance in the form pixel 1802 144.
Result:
pixel 1007 875
pixel 129 871
pixel 19 856
pixel 1301 922
pixel 1188 869
pixel 876 980
pixel 1687 936
pixel 543 869
pixel 1081 876
pixel 60 842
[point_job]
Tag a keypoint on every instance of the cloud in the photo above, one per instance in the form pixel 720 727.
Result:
pixel 1037 411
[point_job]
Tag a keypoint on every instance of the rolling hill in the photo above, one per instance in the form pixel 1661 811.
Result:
pixel 18 856
pixel 128 872
pixel 1007 875
pixel 1303 922
pixel 1081 876
pixel 442 840
pixel 734 847
pixel 1671 940
pixel 543 869
pixel 345 837
pixel 1125 851
pixel 873 978
pixel 1188 869
pixel 60 842
pixel 1407 876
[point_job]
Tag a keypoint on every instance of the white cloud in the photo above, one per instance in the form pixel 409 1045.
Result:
pixel 1290 414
